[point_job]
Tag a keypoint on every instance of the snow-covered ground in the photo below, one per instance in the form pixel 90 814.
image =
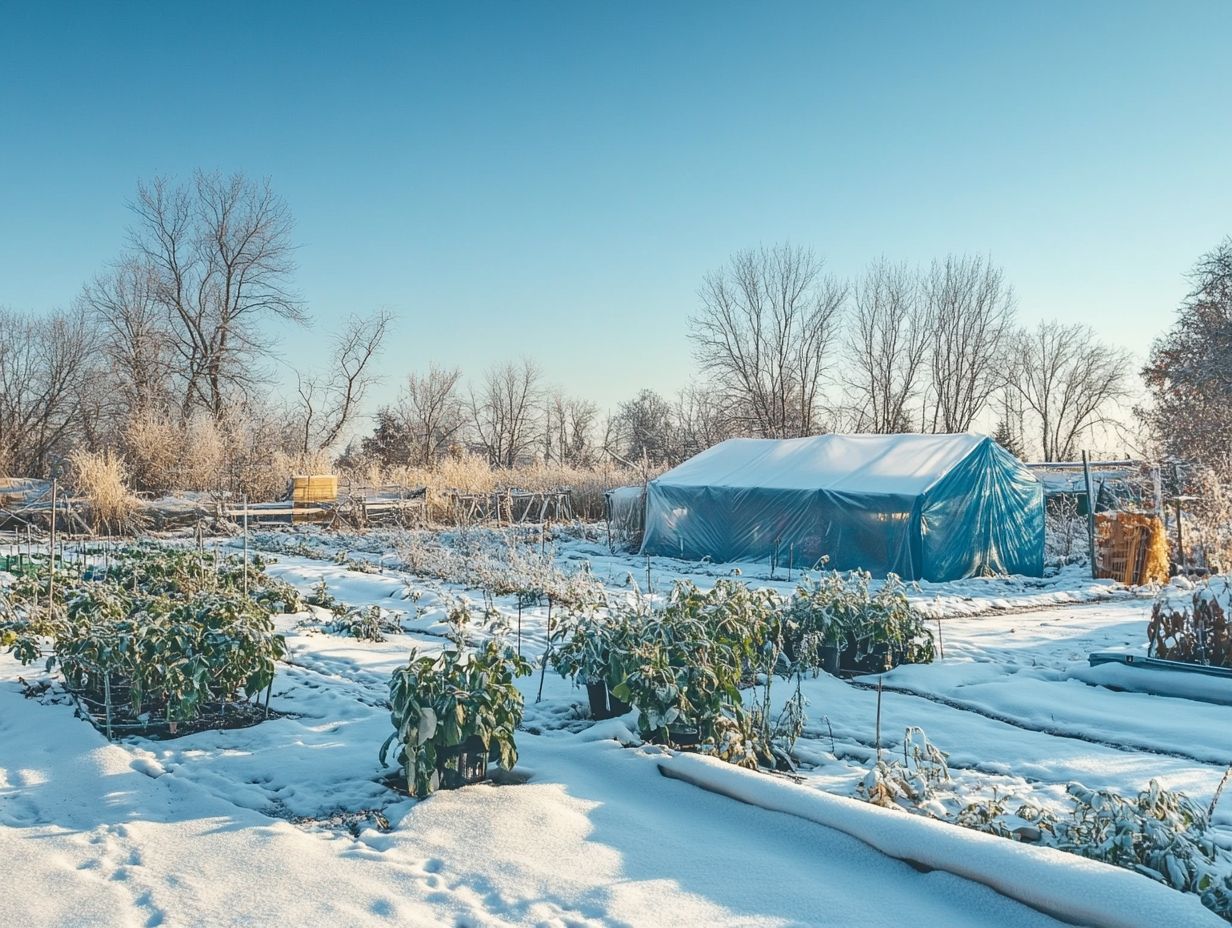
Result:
pixel 288 821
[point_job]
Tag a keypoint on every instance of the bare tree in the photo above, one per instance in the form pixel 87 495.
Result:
pixel 432 412
pixel 328 402
pixel 701 421
pixel 569 424
pixel 766 325
pixel 1068 380
pixel 219 252
pixel 646 428
pixel 505 411
pixel 135 335
pixel 45 371
pixel 887 347
pixel 970 321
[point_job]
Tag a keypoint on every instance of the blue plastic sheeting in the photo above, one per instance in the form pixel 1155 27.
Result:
pixel 926 507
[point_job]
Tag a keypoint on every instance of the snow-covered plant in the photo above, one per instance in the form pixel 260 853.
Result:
pixel 1194 628
pixel 322 598
pixel 1160 833
pixel 689 657
pixel 440 702
pixel 842 610
pixel 910 782
pixel 170 657
pixel 371 624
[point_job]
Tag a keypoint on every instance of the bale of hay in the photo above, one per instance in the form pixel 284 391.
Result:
pixel 1131 547
pixel 315 488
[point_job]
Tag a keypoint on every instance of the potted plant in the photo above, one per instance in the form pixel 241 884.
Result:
pixel 453 712
pixel 593 652
pixel 885 630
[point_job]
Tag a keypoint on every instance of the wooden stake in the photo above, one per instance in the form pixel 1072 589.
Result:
pixel 51 555
pixel 1086 472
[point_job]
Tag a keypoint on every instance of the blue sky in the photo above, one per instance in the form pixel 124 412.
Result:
pixel 554 179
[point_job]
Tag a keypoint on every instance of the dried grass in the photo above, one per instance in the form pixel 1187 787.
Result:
pixel 101 480
pixel 470 473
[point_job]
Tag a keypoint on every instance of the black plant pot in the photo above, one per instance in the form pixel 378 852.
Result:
pixel 831 658
pixel 463 764
pixel 684 738
pixel 603 705
pixel 879 660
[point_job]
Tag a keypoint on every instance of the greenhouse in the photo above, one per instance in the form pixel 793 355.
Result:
pixel 926 507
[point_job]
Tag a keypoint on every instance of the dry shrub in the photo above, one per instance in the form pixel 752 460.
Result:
pixel 152 445
pixel 101 479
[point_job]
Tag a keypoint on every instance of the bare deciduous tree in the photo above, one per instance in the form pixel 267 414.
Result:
pixel 1067 380
pixel 219 252
pixel 970 318
pixel 505 411
pixel 45 373
pixel 886 348
pixel 328 402
pixel 569 425
pixel 432 412
pixel 766 325
pixel 134 335
pixel 701 422
pixel 646 428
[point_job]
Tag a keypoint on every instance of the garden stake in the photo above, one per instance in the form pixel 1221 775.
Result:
pixel 543 670
pixel 877 742
pixel 107 701
pixel 940 643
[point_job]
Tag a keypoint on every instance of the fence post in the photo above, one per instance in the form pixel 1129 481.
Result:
pixel 1086 473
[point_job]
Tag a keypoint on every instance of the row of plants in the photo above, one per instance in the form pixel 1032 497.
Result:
pixel 700 669
pixel 153 635
pixel 1160 833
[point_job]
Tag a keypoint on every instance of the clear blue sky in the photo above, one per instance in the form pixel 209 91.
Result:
pixel 554 179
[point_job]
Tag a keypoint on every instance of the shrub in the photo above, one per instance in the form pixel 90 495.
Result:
pixel 371 624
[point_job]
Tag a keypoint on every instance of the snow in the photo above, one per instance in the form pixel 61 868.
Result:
pixel 228 827
pixel 894 464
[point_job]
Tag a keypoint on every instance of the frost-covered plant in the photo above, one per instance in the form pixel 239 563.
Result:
pixel 842 610
pixel 911 781
pixel 371 624
pixel 1194 628
pixel 172 657
pixel 1159 833
pixel 322 598
pixel 440 702
pixel 689 657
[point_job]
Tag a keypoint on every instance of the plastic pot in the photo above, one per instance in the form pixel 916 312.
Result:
pixel 603 705
pixel 831 658
pixel 463 764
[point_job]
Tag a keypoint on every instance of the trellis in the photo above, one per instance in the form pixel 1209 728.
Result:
pixel 512 505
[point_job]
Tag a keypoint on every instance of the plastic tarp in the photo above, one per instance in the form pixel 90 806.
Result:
pixel 926 507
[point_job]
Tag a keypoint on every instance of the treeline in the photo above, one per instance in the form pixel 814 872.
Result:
pixel 165 360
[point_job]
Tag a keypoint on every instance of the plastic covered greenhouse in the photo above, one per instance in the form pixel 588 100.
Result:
pixel 926 507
